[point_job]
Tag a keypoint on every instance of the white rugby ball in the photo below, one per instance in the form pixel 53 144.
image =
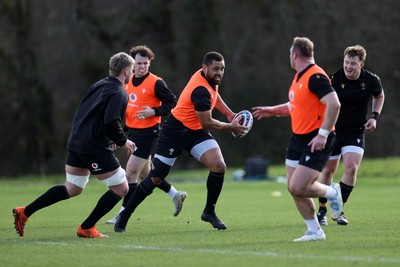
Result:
pixel 246 120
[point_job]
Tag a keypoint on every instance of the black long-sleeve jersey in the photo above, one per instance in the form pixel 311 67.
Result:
pixel 97 122
pixel 354 96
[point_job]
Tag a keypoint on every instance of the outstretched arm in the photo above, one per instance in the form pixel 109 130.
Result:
pixel 260 112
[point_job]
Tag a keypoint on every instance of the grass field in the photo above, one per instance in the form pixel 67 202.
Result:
pixel 260 227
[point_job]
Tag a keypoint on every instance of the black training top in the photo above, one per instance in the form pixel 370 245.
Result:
pixel 97 122
pixel 354 96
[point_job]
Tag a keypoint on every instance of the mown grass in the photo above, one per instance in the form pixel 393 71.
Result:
pixel 260 227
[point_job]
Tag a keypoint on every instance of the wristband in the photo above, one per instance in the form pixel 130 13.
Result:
pixel 375 115
pixel 324 132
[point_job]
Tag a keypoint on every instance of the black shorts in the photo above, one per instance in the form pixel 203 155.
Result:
pixel 355 137
pixel 174 139
pixel 145 140
pixel 96 163
pixel 299 150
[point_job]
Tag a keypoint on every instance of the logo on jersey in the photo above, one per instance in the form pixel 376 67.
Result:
pixel 363 86
pixel 291 95
pixel 171 150
pixel 342 85
pixel 143 90
pixel 308 158
pixel 132 97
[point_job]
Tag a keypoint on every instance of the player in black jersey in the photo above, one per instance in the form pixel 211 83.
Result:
pixel 95 134
pixel 355 86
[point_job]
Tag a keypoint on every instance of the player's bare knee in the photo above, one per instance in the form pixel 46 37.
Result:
pixel 295 190
pixel 156 180
pixel 73 190
pixel 120 190
pixel 351 170
pixel 132 178
pixel 219 167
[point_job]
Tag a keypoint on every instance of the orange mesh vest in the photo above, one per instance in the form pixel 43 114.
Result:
pixel 184 110
pixel 139 96
pixel 307 111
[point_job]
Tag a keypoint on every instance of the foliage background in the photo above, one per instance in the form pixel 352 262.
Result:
pixel 50 51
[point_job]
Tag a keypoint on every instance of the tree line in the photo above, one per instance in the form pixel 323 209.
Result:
pixel 50 52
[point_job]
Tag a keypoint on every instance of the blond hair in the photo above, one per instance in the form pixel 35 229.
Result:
pixel 119 62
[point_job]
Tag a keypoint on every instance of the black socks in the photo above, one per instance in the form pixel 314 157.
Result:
pixel 128 196
pixel 104 205
pixel 53 195
pixel 345 190
pixel 215 182
pixel 164 186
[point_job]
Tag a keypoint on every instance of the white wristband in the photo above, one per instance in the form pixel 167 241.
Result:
pixel 324 132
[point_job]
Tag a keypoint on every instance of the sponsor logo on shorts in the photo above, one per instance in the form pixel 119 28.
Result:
pixel 95 167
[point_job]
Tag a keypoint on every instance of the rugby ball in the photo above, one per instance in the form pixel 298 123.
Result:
pixel 246 120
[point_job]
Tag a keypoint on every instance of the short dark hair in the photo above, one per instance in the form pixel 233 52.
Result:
pixel 142 50
pixel 356 51
pixel 303 46
pixel 210 56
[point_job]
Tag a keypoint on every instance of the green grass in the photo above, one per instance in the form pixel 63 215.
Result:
pixel 260 227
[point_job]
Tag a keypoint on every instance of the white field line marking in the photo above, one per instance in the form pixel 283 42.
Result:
pixel 224 252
